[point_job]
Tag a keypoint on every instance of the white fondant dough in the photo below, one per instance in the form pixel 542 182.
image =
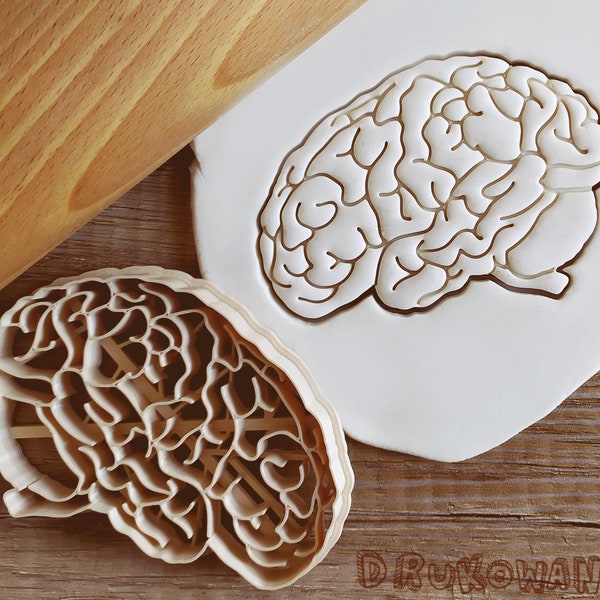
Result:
pixel 483 361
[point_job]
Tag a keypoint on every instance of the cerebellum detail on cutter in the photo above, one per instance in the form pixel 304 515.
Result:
pixel 452 170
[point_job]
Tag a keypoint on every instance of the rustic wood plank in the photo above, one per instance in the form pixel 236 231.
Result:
pixel 97 93
pixel 535 499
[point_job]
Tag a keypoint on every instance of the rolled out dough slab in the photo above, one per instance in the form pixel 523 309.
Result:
pixel 484 362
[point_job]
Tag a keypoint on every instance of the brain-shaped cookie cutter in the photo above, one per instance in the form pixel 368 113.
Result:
pixel 452 170
pixel 186 423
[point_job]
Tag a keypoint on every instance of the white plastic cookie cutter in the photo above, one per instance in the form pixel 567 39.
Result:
pixel 185 422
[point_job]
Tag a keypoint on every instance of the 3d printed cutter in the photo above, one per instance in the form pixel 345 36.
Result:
pixel 180 418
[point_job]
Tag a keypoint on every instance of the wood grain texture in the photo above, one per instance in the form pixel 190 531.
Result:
pixel 97 93
pixel 531 502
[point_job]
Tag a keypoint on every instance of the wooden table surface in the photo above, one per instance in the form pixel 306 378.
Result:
pixel 519 521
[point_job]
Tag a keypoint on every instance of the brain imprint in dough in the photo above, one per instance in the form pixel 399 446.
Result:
pixel 455 169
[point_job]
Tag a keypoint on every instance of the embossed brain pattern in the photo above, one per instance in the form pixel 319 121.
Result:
pixel 452 170
pixel 173 424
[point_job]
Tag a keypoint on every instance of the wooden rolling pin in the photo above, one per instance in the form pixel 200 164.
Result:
pixel 95 94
